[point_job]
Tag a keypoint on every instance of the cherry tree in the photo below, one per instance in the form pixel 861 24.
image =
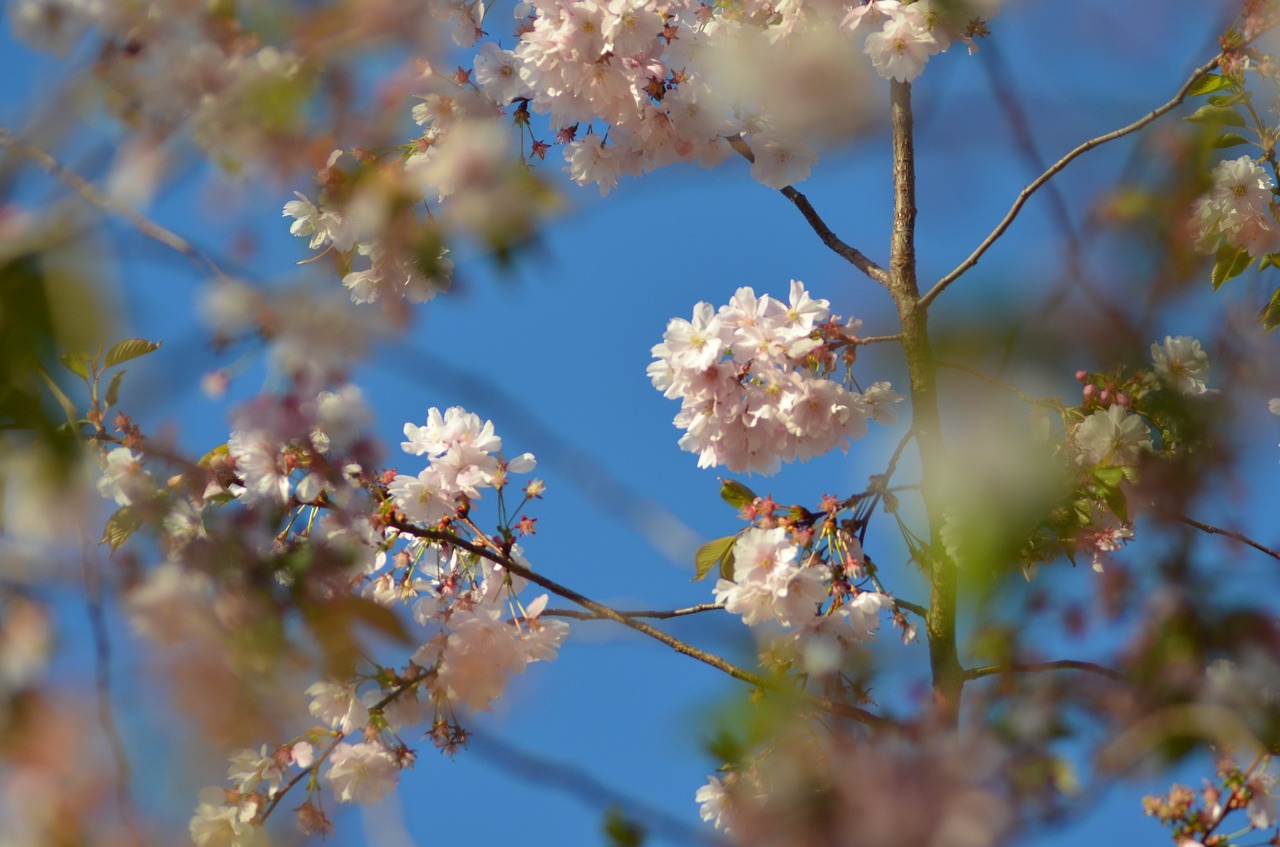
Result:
pixel 1036 573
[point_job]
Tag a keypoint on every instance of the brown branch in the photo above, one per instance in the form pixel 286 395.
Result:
pixel 1056 168
pixel 1243 539
pixel 914 608
pixel 847 252
pixel 609 613
pixel 86 190
pixel 876 339
pixel 926 420
pixel 656 614
pixel 1041 667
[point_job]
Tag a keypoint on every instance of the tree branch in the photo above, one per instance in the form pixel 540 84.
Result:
pixel 1041 667
pixel 1243 539
pixel 92 195
pixel 656 614
pixel 926 421
pixel 607 612
pixel 850 254
pixel 1056 168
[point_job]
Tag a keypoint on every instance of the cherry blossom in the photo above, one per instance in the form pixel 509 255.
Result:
pixel 361 773
pixel 1181 363
pixel 1237 211
pixel 1112 437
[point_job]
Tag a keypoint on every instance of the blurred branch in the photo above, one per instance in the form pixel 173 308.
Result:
pixel 544 772
pixel 656 614
pixel 86 190
pixel 1041 667
pixel 1056 168
pixel 512 566
pixel 850 254
pixel 1216 530
pixel 102 692
pixel 1024 397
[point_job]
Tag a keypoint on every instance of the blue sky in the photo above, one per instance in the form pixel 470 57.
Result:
pixel 555 354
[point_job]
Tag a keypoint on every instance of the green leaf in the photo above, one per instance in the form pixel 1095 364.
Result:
pixel 736 494
pixel 113 388
pixel 726 567
pixel 130 348
pixel 1229 263
pixel 1108 477
pixel 77 363
pixel 120 526
pixel 1229 139
pixel 1270 316
pixel 711 554
pixel 1117 503
pixel 1240 96
pixel 1208 84
pixel 1211 114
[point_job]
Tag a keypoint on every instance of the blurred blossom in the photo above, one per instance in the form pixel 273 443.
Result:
pixel 820 791
pixel 26 641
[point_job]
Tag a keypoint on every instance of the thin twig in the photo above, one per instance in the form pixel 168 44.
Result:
pixel 655 614
pixel 914 608
pixel 338 736
pixel 763 682
pixel 1217 530
pixel 1021 395
pixel 102 695
pixel 845 251
pixel 1041 667
pixel 86 190
pixel 1056 168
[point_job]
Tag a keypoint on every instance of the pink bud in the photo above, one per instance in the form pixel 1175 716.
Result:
pixel 1090 391
pixel 1105 396
pixel 1082 376
pixel 1123 400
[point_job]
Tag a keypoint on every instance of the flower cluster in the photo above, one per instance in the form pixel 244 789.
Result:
pixel 754 382
pixel 816 788
pixel 462 458
pixel 474 632
pixel 1239 210
pixel 1032 500
pixel 1195 816
pixel 772 585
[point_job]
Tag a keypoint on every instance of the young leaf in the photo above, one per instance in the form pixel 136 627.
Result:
pixel 711 554
pixel 1208 84
pixel 119 527
pixel 113 388
pixel 1229 263
pixel 736 494
pixel 130 348
pixel 1229 139
pixel 77 363
pixel 1210 114
pixel 1270 315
